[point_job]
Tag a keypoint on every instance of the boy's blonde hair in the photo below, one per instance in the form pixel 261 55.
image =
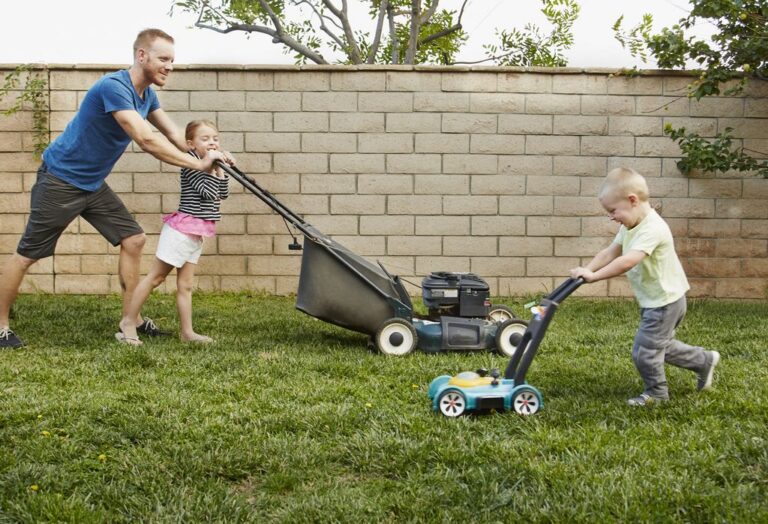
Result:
pixel 622 182
pixel 189 132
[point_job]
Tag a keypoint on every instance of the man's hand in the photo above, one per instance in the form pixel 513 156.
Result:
pixel 582 272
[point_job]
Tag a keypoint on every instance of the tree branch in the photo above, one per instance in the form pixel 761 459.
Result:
pixel 353 51
pixel 379 28
pixel 325 28
pixel 278 34
pixel 413 40
pixel 393 35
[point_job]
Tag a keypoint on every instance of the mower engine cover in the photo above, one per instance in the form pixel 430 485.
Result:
pixel 456 294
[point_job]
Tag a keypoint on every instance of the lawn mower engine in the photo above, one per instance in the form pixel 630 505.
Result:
pixel 455 295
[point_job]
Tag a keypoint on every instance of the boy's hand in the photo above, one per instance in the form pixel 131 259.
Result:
pixel 582 272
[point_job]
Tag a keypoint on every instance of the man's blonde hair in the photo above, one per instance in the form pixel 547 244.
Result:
pixel 145 38
pixel 622 182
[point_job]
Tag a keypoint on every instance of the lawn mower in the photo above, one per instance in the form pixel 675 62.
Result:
pixel 345 289
pixel 477 391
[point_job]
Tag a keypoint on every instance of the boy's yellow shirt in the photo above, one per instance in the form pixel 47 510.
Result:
pixel 659 279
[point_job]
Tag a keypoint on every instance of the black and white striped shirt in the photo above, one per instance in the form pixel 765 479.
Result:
pixel 202 193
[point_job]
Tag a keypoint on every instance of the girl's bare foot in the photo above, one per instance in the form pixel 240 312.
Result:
pixel 194 337
pixel 127 334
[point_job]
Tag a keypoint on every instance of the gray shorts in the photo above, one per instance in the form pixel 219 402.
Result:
pixel 55 203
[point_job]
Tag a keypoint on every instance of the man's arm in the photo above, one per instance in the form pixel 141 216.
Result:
pixel 158 145
pixel 168 127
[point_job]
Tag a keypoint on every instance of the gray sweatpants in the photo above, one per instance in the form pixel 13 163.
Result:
pixel 655 344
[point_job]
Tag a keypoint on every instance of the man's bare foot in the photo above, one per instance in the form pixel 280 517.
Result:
pixel 194 337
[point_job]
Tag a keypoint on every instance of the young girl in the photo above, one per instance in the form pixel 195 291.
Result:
pixel 181 239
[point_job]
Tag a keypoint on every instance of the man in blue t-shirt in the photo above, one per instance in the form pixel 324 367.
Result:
pixel 70 181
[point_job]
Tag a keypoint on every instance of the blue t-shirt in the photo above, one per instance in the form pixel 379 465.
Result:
pixel 93 141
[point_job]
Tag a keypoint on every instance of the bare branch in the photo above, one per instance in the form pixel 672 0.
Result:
pixel 353 51
pixel 393 35
pixel 429 13
pixel 323 27
pixel 413 40
pixel 278 34
pixel 379 28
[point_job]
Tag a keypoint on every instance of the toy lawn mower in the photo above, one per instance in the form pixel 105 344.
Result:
pixel 342 288
pixel 476 391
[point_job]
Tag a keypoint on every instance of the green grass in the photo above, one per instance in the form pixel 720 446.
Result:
pixel 289 419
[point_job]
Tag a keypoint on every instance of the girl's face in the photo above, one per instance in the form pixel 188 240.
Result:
pixel 205 139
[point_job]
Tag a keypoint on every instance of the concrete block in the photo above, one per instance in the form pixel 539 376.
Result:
pixel 607 105
pixel 442 143
pixel 470 164
pixel 329 142
pixel 359 81
pixel 496 103
pixel 552 104
pixel 441 102
pixel 416 81
pixel 414 122
pixel 305 122
pixel 327 184
pixel 552 145
pixel 357 122
pixel 301 163
pixel 246 80
pixel 329 101
pixel 273 101
pixel 469 123
pixel 415 163
pixel 385 184
pixel 526 124
pixel 441 184
pixel 442 225
pixel 385 102
pixel 498 184
pixel 521 246
pixel 357 163
pixel 385 143
pixel 470 205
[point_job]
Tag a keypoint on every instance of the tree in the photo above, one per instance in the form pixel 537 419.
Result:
pixel 406 31
pixel 737 53
pixel 403 32
pixel 530 47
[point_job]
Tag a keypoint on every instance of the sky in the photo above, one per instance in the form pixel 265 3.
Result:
pixel 102 31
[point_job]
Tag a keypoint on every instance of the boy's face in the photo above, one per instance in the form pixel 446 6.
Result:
pixel 622 209
pixel 205 139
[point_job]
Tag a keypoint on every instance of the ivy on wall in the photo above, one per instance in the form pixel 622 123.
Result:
pixel 34 93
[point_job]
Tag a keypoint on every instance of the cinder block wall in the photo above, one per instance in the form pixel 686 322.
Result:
pixel 487 170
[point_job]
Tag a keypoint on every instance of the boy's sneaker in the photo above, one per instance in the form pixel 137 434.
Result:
pixel 644 400
pixel 706 376
pixel 149 328
pixel 8 339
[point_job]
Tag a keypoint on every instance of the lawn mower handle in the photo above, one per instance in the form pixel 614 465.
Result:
pixel 267 197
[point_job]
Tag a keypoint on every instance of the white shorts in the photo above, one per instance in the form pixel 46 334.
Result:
pixel 177 248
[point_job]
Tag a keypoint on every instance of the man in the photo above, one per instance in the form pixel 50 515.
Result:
pixel 70 181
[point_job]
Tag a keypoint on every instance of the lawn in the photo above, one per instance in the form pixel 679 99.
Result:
pixel 289 419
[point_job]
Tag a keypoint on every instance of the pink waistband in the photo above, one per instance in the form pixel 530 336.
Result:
pixel 190 225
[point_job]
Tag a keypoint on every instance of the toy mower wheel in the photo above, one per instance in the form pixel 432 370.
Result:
pixel 526 401
pixel 396 337
pixel 500 314
pixel 452 403
pixel 509 336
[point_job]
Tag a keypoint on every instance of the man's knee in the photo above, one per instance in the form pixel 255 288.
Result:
pixel 134 244
pixel 22 262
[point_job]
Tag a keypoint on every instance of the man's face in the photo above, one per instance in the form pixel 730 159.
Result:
pixel 157 61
